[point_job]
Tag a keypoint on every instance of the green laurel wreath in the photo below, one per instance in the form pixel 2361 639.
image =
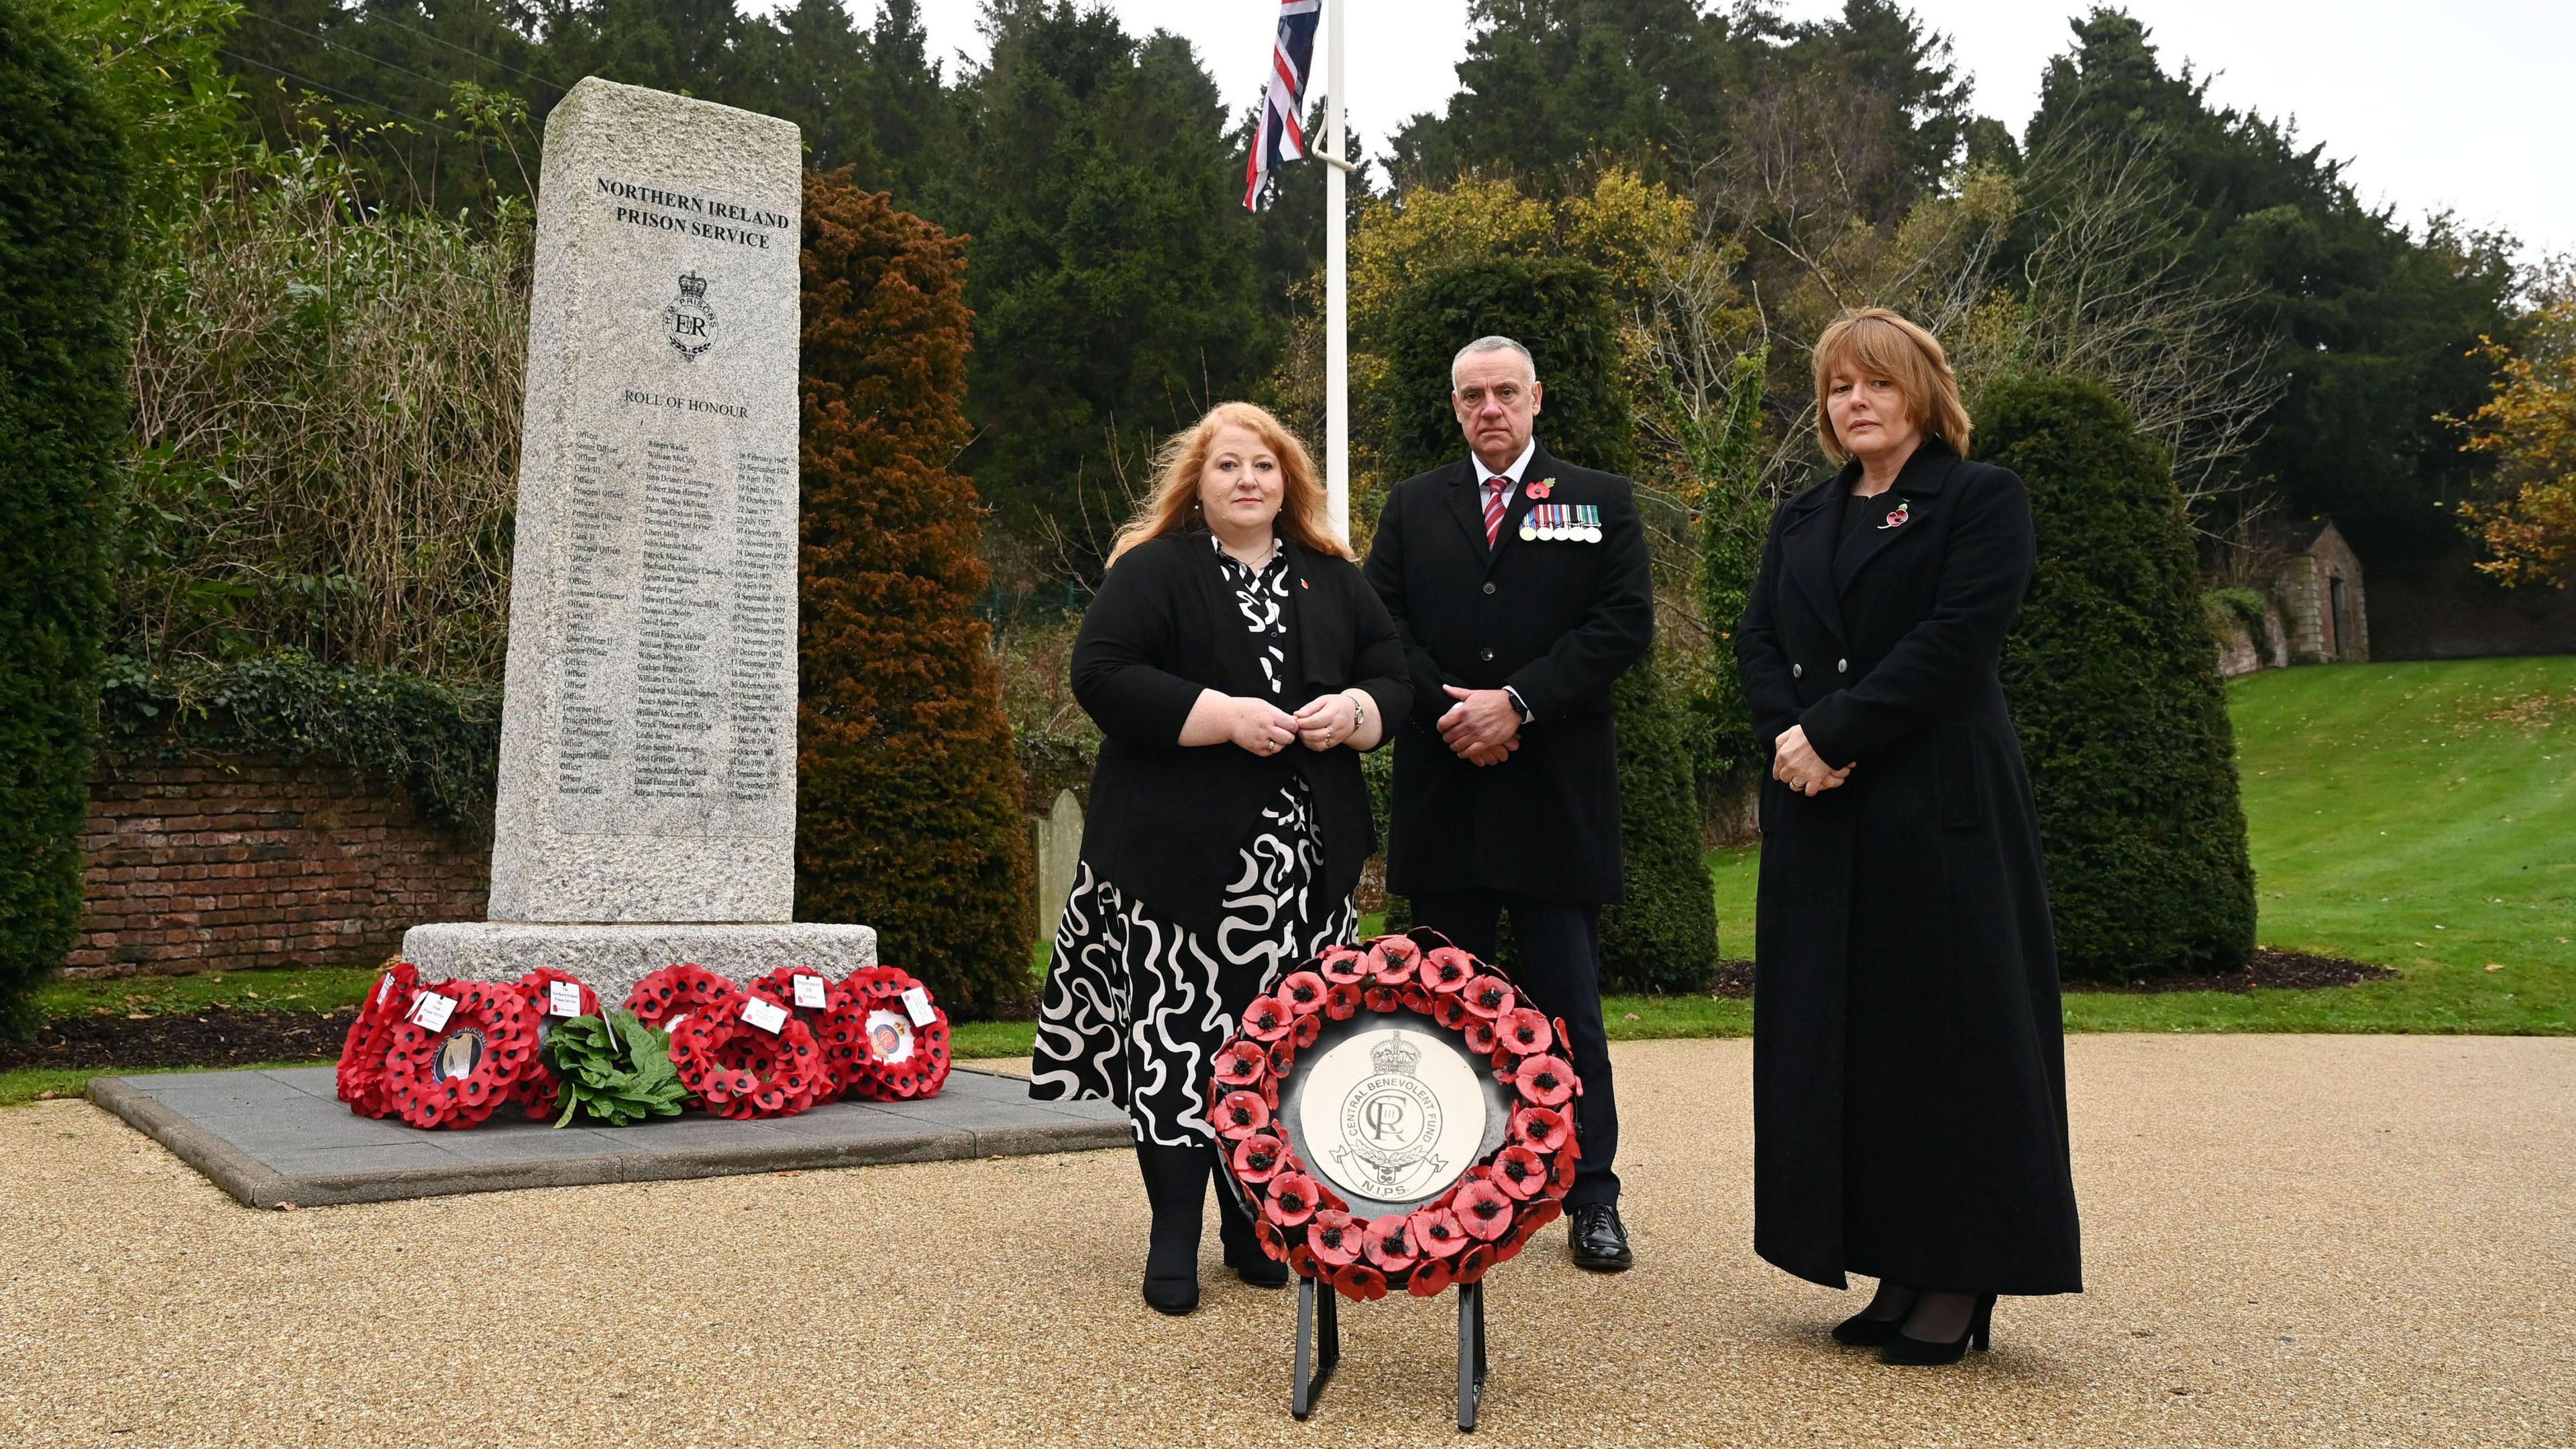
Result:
pixel 615 1068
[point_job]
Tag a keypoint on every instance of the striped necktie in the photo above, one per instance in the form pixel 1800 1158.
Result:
pixel 1494 488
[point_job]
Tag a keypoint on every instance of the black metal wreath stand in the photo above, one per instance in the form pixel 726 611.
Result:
pixel 1319 1348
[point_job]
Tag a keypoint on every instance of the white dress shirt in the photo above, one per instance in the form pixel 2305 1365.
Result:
pixel 1511 475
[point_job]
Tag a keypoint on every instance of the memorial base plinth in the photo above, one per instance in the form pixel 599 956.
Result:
pixel 612 958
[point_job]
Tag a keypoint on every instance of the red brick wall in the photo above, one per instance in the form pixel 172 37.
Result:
pixel 245 862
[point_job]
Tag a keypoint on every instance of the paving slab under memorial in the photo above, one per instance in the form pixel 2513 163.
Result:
pixel 281 1138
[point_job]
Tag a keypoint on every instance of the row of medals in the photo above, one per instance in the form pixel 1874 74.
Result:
pixel 1571 522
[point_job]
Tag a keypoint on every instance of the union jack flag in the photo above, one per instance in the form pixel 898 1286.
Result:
pixel 1282 136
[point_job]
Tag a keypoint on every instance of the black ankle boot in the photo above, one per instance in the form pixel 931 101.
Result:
pixel 1176 1181
pixel 1242 1249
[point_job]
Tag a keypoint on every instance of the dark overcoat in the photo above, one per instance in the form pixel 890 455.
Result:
pixel 1166 820
pixel 1909 1080
pixel 1556 620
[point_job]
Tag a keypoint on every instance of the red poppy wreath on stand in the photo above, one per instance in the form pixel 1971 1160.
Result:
pixel 362 1056
pixel 756 1060
pixel 901 1047
pixel 459 1052
pixel 1490 1210
pixel 552 996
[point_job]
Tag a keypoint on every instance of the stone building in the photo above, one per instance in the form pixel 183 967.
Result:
pixel 2323 615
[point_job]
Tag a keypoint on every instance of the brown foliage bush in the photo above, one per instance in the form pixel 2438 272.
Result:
pixel 908 810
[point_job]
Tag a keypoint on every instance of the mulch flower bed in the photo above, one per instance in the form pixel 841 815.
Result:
pixel 211 1037
pixel 2272 969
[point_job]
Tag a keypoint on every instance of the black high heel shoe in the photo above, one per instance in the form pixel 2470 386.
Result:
pixel 1861 1330
pixel 1900 1349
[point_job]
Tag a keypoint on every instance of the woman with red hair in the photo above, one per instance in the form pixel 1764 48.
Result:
pixel 1236 665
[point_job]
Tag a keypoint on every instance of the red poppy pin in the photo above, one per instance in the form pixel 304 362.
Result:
pixel 1542 488
pixel 1897 518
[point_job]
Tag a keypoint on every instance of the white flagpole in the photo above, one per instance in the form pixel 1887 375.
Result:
pixel 1337 294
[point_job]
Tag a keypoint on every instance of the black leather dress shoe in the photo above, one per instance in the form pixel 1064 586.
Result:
pixel 1599 1240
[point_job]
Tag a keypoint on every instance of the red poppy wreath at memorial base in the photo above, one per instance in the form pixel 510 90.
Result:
pixel 1489 1213
pixel 451 1053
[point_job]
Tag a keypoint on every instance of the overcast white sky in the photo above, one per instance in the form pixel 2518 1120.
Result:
pixel 2458 106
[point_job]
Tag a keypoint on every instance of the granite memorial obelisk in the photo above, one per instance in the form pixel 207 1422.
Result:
pixel 647 805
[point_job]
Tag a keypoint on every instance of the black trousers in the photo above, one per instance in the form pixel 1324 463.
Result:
pixel 1560 973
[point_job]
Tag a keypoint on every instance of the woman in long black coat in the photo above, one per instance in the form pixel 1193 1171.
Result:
pixel 1909 1081
pixel 1236 664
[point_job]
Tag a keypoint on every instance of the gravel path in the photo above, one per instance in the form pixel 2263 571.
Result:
pixel 2332 1241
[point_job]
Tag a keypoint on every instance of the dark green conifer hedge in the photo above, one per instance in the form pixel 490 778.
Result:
pixel 2113 677
pixel 908 797
pixel 63 348
pixel 1558 308
pixel 1663 937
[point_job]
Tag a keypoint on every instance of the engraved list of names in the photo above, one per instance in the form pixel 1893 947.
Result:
pixel 677 692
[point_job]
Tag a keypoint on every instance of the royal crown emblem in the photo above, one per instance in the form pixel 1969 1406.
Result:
pixel 1395 1056
pixel 688 321
pixel 1390 1126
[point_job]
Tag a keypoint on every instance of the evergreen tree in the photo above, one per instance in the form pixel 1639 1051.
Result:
pixel 64 178
pixel 909 814
pixel 1559 308
pixel 869 100
pixel 1550 88
pixel 1112 270
pixel 2376 325
pixel 2115 691
pixel 803 65
pixel 1663 937
pixel 1878 56
pixel 1734 517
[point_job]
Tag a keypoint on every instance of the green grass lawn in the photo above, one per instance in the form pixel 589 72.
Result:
pixel 2420 816
pixel 324 988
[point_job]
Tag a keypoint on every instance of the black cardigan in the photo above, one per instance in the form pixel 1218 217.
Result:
pixel 1166 822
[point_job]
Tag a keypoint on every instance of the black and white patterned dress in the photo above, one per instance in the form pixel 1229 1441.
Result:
pixel 1135 1006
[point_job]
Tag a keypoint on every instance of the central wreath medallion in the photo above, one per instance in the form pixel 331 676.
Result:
pixel 1409 1115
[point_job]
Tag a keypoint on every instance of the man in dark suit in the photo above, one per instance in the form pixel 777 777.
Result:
pixel 1520 589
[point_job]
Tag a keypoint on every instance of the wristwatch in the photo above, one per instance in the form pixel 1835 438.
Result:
pixel 1359 708
pixel 1527 715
